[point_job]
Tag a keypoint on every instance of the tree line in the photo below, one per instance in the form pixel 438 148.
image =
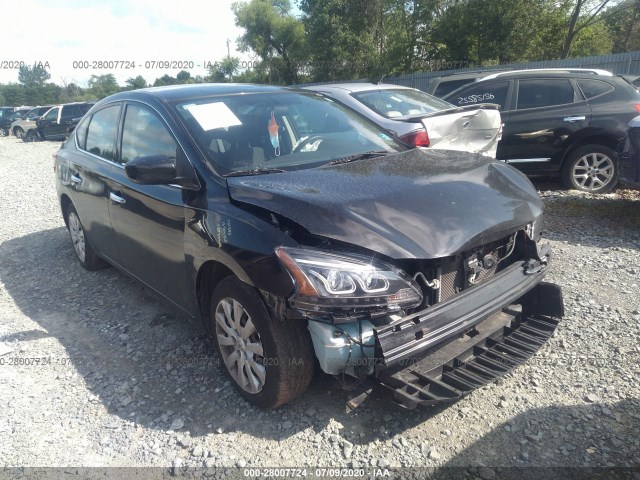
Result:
pixel 35 88
pixel 332 40
pixel 329 40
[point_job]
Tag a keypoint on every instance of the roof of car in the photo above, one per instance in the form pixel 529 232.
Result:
pixel 170 93
pixel 355 87
pixel 578 72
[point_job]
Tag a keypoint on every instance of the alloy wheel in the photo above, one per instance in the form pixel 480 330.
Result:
pixel 77 235
pixel 240 345
pixel 593 171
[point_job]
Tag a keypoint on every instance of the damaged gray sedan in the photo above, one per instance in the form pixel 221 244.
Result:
pixel 304 236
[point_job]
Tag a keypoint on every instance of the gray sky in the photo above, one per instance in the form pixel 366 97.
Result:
pixel 68 31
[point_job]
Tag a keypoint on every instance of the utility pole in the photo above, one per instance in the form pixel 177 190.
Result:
pixel 228 48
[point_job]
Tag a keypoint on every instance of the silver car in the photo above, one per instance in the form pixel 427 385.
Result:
pixel 21 126
pixel 420 119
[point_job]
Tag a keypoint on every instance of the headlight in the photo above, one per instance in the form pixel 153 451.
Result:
pixel 327 281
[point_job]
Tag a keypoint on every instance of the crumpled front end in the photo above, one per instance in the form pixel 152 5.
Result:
pixel 476 315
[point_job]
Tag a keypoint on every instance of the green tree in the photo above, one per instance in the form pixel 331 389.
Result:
pixel 165 80
pixel 274 34
pixel 346 38
pixel 14 94
pixel 34 76
pixel 624 25
pixel 488 31
pixel 101 86
pixel 582 14
pixel 136 83
pixel 184 77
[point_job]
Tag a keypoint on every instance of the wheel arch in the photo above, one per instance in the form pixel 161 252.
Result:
pixel 65 201
pixel 210 274
pixel 608 141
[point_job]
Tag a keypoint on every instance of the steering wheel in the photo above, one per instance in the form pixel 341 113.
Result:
pixel 307 141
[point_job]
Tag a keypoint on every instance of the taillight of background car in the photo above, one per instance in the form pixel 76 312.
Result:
pixel 418 138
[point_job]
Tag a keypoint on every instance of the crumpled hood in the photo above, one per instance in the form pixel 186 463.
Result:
pixel 415 204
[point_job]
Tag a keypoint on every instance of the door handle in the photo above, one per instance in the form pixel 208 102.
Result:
pixel 575 119
pixel 76 179
pixel 116 198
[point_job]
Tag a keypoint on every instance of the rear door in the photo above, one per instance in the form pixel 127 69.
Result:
pixel 90 169
pixel 546 112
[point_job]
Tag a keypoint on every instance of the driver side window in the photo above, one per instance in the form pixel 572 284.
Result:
pixel 52 115
pixel 145 134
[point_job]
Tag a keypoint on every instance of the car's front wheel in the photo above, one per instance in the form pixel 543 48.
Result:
pixel 84 251
pixel 18 132
pixel 31 136
pixel 591 169
pixel 270 360
pixel 4 132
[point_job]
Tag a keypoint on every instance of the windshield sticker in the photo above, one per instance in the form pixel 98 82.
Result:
pixel 213 115
pixel 273 134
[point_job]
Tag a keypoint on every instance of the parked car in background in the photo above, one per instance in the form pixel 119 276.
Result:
pixel 298 230
pixel 630 157
pixel 7 116
pixel 633 80
pixel 442 86
pixel 58 122
pixel 559 122
pixel 28 121
pixel 420 119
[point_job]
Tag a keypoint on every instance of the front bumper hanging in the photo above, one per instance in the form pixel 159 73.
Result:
pixel 423 368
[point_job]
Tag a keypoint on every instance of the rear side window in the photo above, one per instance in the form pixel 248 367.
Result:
pixel 101 134
pixel 145 134
pixel 593 88
pixel 544 93
pixel 449 86
pixel 81 133
pixel 482 93
pixel 393 103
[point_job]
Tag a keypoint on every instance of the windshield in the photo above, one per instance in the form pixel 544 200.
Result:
pixel 279 131
pixel 401 102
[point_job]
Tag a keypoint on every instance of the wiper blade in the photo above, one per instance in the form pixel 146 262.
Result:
pixel 254 171
pixel 358 156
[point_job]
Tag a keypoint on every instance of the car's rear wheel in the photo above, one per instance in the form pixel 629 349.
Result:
pixel 18 132
pixel 591 169
pixel 31 136
pixel 84 251
pixel 270 360
pixel 4 132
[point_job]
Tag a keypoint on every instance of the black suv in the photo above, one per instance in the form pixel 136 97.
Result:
pixel 559 122
pixel 60 121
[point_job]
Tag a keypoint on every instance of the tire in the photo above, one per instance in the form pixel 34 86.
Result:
pixel 4 132
pixel 18 132
pixel 592 168
pixel 84 251
pixel 270 360
pixel 31 136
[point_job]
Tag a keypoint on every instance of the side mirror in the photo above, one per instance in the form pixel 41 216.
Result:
pixel 152 170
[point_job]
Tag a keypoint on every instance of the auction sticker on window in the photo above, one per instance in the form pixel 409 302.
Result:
pixel 213 115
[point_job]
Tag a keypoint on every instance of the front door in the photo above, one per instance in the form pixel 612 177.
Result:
pixel 149 220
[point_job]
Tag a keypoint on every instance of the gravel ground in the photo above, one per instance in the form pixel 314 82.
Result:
pixel 128 381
